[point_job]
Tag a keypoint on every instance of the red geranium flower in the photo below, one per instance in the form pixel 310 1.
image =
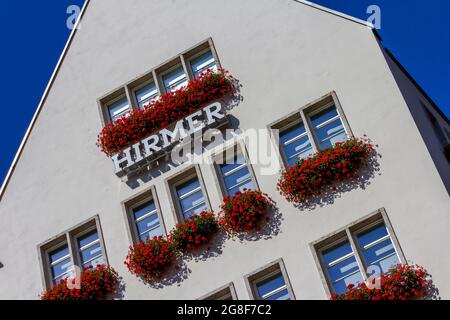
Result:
pixel 402 282
pixel 95 284
pixel 149 260
pixel 169 108
pixel 309 177
pixel 194 232
pixel 245 211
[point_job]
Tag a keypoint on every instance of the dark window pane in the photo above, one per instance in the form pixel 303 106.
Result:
pixel 323 116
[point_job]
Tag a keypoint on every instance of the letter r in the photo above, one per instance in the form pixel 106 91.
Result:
pixel 214 111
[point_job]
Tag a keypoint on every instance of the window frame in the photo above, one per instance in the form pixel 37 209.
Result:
pixel 348 234
pixel 134 201
pixel 264 273
pixel 155 75
pixel 81 233
pixel 69 238
pixel 142 85
pixel 106 101
pixel 224 154
pixel 177 63
pixel 220 292
pixel 196 55
pixel 178 179
pixel 303 115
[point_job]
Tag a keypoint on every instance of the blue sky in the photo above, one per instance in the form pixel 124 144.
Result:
pixel 34 34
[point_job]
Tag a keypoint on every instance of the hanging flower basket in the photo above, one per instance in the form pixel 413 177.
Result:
pixel 97 283
pixel 402 282
pixel 329 166
pixel 149 260
pixel 194 232
pixel 244 212
pixel 169 108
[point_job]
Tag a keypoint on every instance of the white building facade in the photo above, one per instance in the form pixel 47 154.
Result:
pixel 315 75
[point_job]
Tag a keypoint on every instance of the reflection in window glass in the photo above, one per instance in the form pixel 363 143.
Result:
pixel 295 143
pixel 342 267
pixel 90 249
pixel 378 249
pixel 147 221
pixel 191 198
pixel 328 128
pixel 146 94
pixel 60 264
pixel 273 288
pixel 118 109
pixel 202 63
pixel 236 175
pixel 174 80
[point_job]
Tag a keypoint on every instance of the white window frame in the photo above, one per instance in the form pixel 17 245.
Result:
pixel 264 273
pixel 197 55
pixel 69 238
pixel 231 150
pixel 129 89
pixel 188 194
pixel 342 239
pixel 180 178
pixel 314 111
pixel 151 98
pixel 145 216
pixel 303 115
pixel 349 233
pixel 79 249
pixel 221 293
pixel 171 69
pixel 149 194
pixel 110 103
pixel 51 264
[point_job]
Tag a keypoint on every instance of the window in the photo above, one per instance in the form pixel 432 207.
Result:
pixel 225 293
pixel 146 94
pixel 90 249
pixel 191 199
pixel 271 283
pixel 168 77
pixel 236 175
pixel 174 80
pixel 377 248
pixel 188 192
pixel 313 128
pixel 118 109
pixel 273 288
pixel 60 264
pixel 328 128
pixel 202 63
pixel 80 247
pixel 146 220
pixel 143 216
pixel 295 143
pixel 341 267
pixel 364 246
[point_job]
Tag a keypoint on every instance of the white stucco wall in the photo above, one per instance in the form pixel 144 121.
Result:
pixel 286 55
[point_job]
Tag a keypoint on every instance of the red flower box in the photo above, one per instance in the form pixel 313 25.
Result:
pixel 149 260
pixel 194 232
pixel 244 211
pixel 402 282
pixel 169 108
pixel 95 284
pixel 309 177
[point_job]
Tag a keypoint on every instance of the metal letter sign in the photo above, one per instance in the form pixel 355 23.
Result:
pixel 158 143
